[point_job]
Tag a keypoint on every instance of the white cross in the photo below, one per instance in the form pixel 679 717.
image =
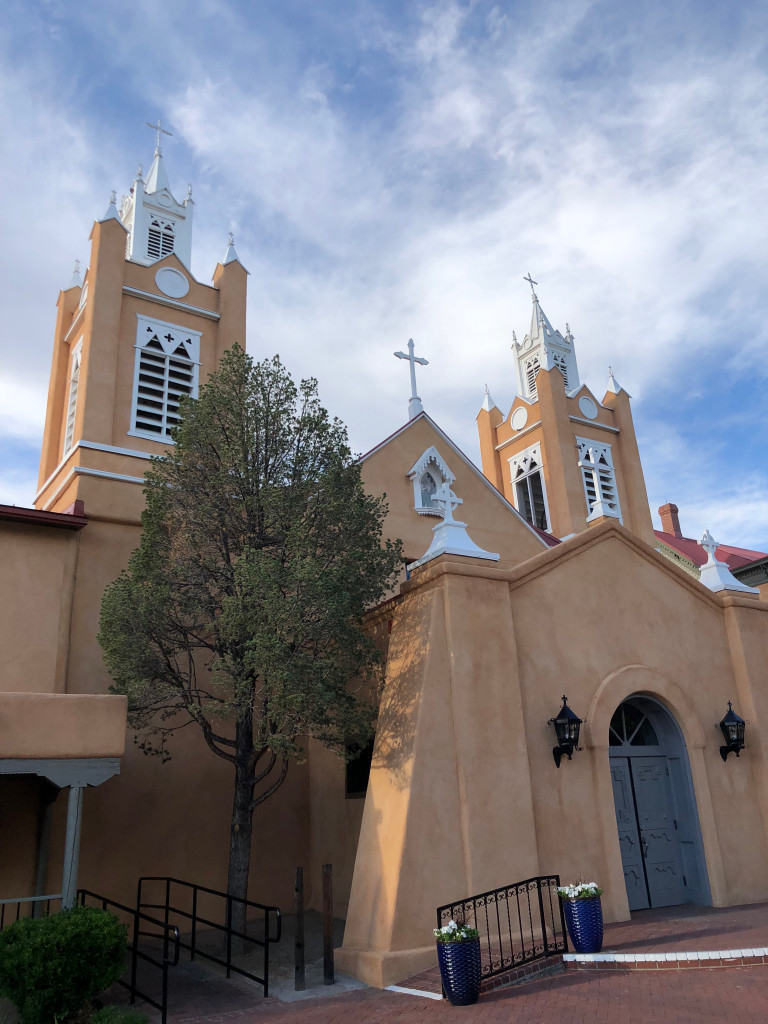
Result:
pixel 710 545
pixel 447 500
pixel 414 405
pixel 531 282
pixel 160 131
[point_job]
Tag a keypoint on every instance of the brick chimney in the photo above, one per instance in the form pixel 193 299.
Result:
pixel 669 521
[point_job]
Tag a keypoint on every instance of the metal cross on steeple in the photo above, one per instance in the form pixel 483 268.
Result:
pixel 160 132
pixel 531 282
pixel 414 405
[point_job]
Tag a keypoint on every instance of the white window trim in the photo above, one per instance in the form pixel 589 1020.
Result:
pixel 69 427
pixel 429 461
pixel 523 461
pixel 159 327
pixel 590 453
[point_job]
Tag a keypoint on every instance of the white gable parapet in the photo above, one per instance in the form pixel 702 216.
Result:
pixel 450 536
pixel 716 575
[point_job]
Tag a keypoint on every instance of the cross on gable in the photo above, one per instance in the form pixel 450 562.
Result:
pixel 447 500
pixel 710 545
pixel 169 337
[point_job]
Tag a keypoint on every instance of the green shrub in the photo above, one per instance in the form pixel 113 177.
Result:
pixel 119 1015
pixel 51 967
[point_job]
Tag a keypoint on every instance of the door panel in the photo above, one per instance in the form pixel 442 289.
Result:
pixel 658 833
pixel 629 838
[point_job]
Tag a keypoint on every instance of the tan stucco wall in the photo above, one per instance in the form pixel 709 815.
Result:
pixel 554 421
pixel 480 656
pixel 48 725
pixel 493 524
pixel 38 585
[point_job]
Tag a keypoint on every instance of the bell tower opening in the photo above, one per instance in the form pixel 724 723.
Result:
pixel 658 823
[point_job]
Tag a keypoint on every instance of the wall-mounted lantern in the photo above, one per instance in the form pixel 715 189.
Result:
pixel 567 725
pixel 733 730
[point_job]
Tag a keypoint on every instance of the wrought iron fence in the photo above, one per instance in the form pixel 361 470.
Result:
pixel 518 923
pixel 175 892
pixel 38 906
pixel 167 934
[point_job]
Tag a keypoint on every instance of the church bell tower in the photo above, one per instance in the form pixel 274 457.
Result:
pixel 564 458
pixel 133 337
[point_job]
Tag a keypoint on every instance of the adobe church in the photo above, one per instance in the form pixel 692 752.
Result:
pixel 534 577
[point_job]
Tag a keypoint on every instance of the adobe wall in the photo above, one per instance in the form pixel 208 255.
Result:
pixel 38 574
pixel 480 656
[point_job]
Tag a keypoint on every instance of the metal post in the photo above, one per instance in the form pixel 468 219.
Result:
pixel 328 978
pixel 72 846
pixel 229 936
pixel 299 982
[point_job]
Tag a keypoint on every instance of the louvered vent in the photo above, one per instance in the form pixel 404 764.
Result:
pixel 561 364
pixel 531 373
pixel 162 381
pixel 598 475
pixel 74 382
pixel 160 241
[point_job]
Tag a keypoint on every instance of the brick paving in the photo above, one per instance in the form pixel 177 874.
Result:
pixel 738 994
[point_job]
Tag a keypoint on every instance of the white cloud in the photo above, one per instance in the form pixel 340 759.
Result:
pixel 399 178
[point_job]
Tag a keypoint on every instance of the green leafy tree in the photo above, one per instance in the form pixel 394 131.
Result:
pixel 241 610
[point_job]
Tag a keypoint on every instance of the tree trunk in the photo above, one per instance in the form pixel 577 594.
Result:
pixel 240 847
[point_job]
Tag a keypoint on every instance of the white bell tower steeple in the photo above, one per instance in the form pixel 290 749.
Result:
pixel 544 348
pixel 156 222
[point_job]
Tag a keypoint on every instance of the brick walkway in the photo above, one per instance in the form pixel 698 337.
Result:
pixel 739 995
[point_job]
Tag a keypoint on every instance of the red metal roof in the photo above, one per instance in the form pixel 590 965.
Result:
pixel 734 558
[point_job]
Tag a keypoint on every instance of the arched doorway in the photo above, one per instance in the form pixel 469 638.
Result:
pixel 656 814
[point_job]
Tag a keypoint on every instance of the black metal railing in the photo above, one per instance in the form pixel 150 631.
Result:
pixel 518 923
pixel 167 934
pixel 175 892
pixel 34 906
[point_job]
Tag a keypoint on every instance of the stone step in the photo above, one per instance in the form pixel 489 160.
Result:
pixel 675 961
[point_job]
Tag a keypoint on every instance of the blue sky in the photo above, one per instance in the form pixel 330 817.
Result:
pixel 393 170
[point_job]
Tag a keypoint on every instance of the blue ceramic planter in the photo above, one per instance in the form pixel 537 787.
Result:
pixel 584 919
pixel 460 971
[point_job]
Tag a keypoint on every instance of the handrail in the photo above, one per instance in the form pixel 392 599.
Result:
pixel 31 899
pixel 227 927
pixel 169 930
pixel 516 925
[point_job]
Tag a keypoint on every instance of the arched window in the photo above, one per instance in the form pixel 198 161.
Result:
pixel 528 482
pixel 160 241
pixel 631 725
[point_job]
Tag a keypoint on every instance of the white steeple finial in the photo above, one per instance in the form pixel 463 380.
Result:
pixel 112 213
pixel 531 282
pixel 613 384
pixel 414 405
pixel 76 282
pixel 139 173
pixel 488 402
pixel 450 536
pixel 716 575
pixel 231 255
pixel 160 132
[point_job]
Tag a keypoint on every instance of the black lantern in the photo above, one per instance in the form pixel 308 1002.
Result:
pixel 733 731
pixel 567 726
